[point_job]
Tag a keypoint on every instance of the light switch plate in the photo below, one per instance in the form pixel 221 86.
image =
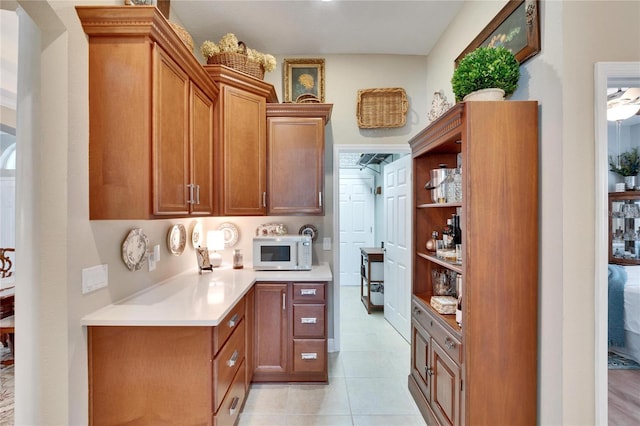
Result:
pixel 95 278
pixel 326 243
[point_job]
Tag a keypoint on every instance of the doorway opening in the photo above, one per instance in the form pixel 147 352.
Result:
pixel 609 75
pixel 358 204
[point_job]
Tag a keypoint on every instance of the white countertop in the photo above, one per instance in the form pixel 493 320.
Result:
pixel 191 299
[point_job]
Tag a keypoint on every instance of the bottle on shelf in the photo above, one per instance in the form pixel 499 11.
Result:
pixel 455 230
pixel 459 305
pixel 447 237
pixel 431 243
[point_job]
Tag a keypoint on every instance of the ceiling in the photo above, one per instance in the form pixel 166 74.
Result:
pixel 315 27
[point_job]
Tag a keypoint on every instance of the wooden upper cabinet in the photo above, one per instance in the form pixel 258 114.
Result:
pixel 240 159
pixel 150 117
pixel 295 158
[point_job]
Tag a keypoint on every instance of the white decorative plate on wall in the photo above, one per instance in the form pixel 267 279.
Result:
pixel 177 239
pixel 196 235
pixel 309 230
pixel 134 249
pixel 230 232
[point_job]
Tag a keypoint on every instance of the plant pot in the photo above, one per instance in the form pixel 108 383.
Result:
pixel 630 182
pixel 491 94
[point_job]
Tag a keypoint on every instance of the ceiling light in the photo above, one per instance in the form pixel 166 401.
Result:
pixel 622 112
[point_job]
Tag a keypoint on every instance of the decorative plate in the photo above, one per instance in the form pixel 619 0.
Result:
pixel 177 239
pixel 268 229
pixel 230 234
pixel 196 235
pixel 310 230
pixel 134 249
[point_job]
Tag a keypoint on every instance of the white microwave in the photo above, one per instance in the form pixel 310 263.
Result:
pixel 283 252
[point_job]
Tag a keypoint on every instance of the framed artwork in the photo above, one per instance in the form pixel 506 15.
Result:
pixel 303 77
pixel 516 27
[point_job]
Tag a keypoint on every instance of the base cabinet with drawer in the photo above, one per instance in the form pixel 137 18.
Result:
pixel 155 375
pixel 290 333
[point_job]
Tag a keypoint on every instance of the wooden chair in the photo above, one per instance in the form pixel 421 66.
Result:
pixel 6 264
pixel 7 317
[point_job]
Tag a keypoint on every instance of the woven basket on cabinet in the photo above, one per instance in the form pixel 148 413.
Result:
pixel 238 61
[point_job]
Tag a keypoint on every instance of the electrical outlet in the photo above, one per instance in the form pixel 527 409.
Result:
pixel 95 278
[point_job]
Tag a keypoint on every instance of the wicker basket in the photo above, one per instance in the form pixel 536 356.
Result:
pixel 238 61
pixel 183 34
pixel 382 108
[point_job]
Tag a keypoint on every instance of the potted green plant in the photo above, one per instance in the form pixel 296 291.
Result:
pixel 486 68
pixel 628 166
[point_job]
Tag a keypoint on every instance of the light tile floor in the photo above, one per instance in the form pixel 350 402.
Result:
pixel 367 380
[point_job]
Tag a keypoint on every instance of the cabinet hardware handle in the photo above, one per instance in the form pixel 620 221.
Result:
pixel 309 355
pixel 197 194
pixel 190 200
pixel 284 301
pixel 429 371
pixel 233 359
pixel 308 320
pixel 320 199
pixel 307 292
pixel 234 405
pixel 233 321
pixel 449 343
pixel 264 199
pixel 416 310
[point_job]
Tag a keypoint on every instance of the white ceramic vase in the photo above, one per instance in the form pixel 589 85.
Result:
pixel 491 94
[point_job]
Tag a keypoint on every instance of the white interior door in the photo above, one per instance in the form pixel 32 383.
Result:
pixel 356 224
pixel 397 244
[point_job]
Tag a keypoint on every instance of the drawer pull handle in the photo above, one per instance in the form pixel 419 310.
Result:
pixel 308 320
pixel 416 310
pixel 307 292
pixel 429 371
pixel 233 321
pixel 309 355
pixel 449 343
pixel 234 358
pixel 234 405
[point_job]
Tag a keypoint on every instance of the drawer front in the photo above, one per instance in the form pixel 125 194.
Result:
pixel 309 355
pixel 308 292
pixel 230 322
pixel 309 321
pixel 446 340
pixel 229 410
pixel 227 363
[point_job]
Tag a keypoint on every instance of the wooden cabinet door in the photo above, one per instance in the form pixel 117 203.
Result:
pixel 295 165
pixel 243 152
pixel 445 386
pixel 420 350
pixel 201 138
pixel 170 147
pixel 270 331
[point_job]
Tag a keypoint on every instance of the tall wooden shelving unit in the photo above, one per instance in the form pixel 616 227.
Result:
pixel 484 372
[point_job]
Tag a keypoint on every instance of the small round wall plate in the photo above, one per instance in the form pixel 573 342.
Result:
pixel 196 235
pixel 310 230
pixel 177 239
pixel 134 249
pixel 231 234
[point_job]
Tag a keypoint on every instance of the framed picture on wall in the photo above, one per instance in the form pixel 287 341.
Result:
pixel 303 78
pixel 516 27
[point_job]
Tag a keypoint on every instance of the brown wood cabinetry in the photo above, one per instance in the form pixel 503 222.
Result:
pixel 464 375
pixel 150 118
pixel 240 159
pixel 155 375
pixel 290 332
pixel 295 152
